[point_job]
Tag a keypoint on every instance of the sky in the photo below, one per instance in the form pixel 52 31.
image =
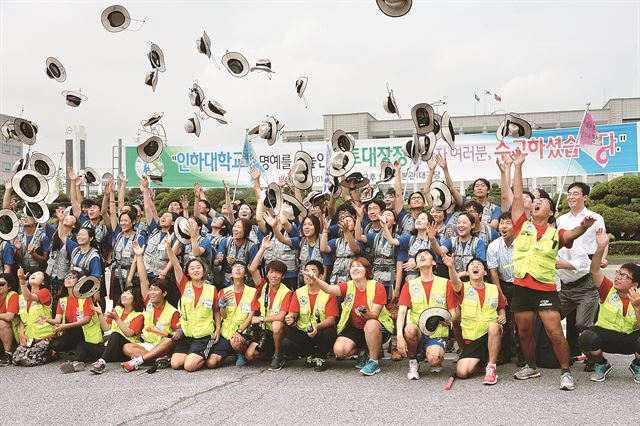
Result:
pixel 537 55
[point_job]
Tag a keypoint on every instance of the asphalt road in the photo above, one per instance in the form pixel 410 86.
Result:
pixel 253 395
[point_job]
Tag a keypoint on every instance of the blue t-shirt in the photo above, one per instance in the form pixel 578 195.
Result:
pixel 481 248
pixel 95 266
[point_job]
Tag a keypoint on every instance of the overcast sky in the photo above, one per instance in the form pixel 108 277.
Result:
pixel 537 55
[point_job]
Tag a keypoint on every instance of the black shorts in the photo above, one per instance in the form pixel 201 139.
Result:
pixel 222 348
pixel 357 335
pixel 189 345
pixel 478 349
pixel 528 300
pixel 268 348
pixel 616 343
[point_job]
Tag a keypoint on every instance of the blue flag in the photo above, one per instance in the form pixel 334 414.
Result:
pixel 249 157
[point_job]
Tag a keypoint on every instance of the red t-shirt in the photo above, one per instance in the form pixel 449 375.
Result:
pixel 528 281
pixel 12 306
pixel 380 298
pixel 331 308
pixel 405 296
pixel 502 301
pixel 44 297
pixel 136 324
pixel 71 310
pixel 255 306
pixel 284 307
pixel 604 289
pixel 175 318
pixel 197 291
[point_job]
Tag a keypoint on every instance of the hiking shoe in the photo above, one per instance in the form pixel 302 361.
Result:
pixel 310 362
pixel 414 368
pixel 66 367
pixel 370 368
pixel 321 365
pixel 130 365
pixel 600 372
pixel 526 373
pixel 635 370
pixel 395 354
pixel 277 362
pixel 5 359
pixel 241 361
pixel 98 367
pixel 78 366
pixel 362 360
pixel 566 382
pixel 490 375
pixel 163 362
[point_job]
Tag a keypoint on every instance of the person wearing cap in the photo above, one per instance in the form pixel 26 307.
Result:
pixel 465 246
pixel 159 316
pixel 32 245
pixel 422 292
pixel 312 321
pixel 9 318
pixel 34 334
pixel 77 327
pixel 365 324
pixel 482 315
pixel 344 248
pixel 307 245
pixel 201 320
pixel 126 322
pixel 236 246
pixel 534 266
pixel 480 229
pixel 273 298
pixel 617 329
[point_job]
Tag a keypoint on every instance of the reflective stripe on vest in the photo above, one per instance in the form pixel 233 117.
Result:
pixel 163 323
pixel 30 318
pixel 275 305
pixel 437 299
pixel 236 314
pixel 347 304
pixel 197 321
pixel 610 316
pixel 132 315
pixel 475 320
pixel 536 257
pixel 91 331
pixel 305 316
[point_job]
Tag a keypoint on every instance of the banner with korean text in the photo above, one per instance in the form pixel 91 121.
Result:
pixel 548 154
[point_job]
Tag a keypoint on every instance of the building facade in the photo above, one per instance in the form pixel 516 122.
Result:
pixel 12 151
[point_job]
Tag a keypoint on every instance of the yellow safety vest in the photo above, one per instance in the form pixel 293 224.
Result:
pixel 437 299
pixel 163 323
pixel 91 331
pixel 610 316
pixel 347 304
pixel 536 257
pixel 197 321
pixel 236 314
pixel 305 316
pixel 474 319
pixel 132 315
pixel 16 317
pixel 30 318
pixel 275 305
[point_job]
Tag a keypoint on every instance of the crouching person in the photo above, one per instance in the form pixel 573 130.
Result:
pixel 311 320
pixel 618 327
pixel 482 315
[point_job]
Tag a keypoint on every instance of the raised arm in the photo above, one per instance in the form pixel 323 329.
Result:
pixel 142 271
pixel 324 236
pixel 122 191
pixel 357 230
pixel 517 208
pixel 397 184
pixel 276 225
pixel 227 202
pixel 386 232
pixel 571 234
pixel 431 163
pixel 149 210
pixel 75 202
pixel 506 195
pixel 453 275
pixel 457 196
pixel 602 241
pixel 6 198
pixel 173 259
pixel 254 268
pixel 113 213
pixel 329 289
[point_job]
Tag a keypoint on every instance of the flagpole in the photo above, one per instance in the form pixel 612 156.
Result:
pixel 564 178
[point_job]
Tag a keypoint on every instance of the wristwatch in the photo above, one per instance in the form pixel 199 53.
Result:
pixel 261 319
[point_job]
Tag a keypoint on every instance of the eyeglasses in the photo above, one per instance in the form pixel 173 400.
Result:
pixel 622 275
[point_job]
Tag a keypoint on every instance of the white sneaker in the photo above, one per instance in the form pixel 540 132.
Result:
pixel 413 373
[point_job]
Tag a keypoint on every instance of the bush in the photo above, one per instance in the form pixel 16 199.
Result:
pixel 621 223
pixel 613 200
pixel 599 191
pixel 625 186
pixel 625 248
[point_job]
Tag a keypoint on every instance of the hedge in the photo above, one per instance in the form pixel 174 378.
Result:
pixel 626 248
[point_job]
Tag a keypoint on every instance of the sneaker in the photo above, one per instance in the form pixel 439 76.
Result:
pixel 450 346
pixel 241 361
pixel 163 362
pixel 589 366
pixel 66 367
pixel 310 362
pixel 130 365
pixel 370 368
pixel 5 360
pixel 526 373
pixel 78 366
pixel 635 370
pixel 490 375
pixel 277 362
pixel 395 354
pixel 384 354
pixel 521 362
pixel 600 372
pixel 362 360
pixel 566 382
pixel 436 369
pixel 98 367
pixel 414 368
pixel 321 365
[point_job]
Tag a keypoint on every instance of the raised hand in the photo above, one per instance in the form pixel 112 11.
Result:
pixel 139 251
pixel 448 261
pixel 71 174
pixel 144 182
pixel 431 164
pixel 442 161
pixel 7 185
pixel 271 220
pixel 432 231
pixel 311 276
pixel 193 229
pixel 123 180
pixel 359 210
pixel 255 174
pixel 184 202
pixel 602 239
pixel 266 242
pixel 634 297
pixel 517 157
pixel 21 275
pixel 587 222
pixel 226 186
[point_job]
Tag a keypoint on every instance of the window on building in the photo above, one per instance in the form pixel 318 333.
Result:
pixel 6 167
pixel 6 148
pixel 17 150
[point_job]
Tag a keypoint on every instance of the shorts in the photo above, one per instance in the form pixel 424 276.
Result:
pixel 614 342
pixel 528 300
pixel 268 347
pixel 146 346
pixel 477 349
pixel 357 335
pixel 222 348
pixel 189 345
pixel 428 341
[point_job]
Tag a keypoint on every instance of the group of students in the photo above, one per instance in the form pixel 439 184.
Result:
pixel 337 281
